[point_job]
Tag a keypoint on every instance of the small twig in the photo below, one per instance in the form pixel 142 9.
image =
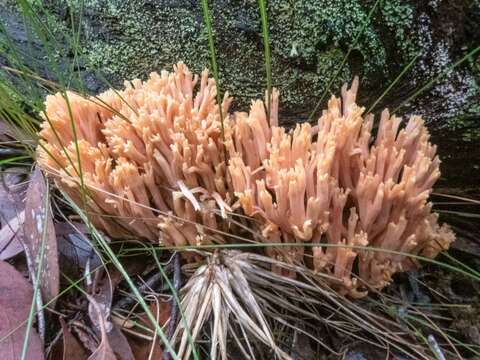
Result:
pixel 152 282
pixel 177 283
pixel 38 300
pixel 295 338
pixel 437 351
pixel 294 351
pixel 154 340
pixel 137 334
pixel 57 337
pixel 88 275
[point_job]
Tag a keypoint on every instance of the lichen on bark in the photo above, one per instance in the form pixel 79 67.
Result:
pixel 127 39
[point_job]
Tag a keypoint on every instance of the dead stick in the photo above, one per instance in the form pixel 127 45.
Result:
pixel 177 283
pixel 151 282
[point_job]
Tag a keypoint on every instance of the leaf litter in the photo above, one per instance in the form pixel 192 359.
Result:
pixel 39 221
pixel 99 309
pixel 12 213
pixel 15 302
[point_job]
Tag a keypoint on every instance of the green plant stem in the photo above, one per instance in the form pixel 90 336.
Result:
pixel 36 280
pixel 262 4
pixel 342 64
pixel 394 82
pixel 213 60
pixel 436 78
pixel 364 248
pixel 113 258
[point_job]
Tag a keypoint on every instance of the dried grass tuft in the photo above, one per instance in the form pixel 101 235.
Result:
pixel 237 302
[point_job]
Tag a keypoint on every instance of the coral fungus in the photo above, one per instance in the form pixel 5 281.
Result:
pixel 364 198
pixel 153 165
pixel 146 156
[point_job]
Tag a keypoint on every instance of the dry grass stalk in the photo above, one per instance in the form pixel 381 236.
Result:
pixel 219 292
pixel 236 292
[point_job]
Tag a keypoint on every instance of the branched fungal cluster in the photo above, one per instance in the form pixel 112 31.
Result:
pixel 337 185
pixel 153 164
pixel 147 155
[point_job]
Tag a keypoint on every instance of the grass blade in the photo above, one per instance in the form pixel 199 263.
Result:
pixel 262 4
pixel 342 64
pixel 387 90
pixel 36 281
pixel 116 262
pixel 213 60
pixel 436 78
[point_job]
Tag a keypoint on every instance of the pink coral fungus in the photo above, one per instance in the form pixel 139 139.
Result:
pixel 339 186
pixel 152 164
pixel 150 156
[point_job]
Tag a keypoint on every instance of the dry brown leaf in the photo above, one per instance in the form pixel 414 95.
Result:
pixel 12 193
pixel 119 342
pixel 36 218
pixel 72 227
pixel 75 253
pixel 75 249
pixel 15 301
pixel 12 215
pixel 102 293
pixel 142 348
pixel 104 285
pixel 99 311
pixel 10 237
pixel 165 311
pixel 104 350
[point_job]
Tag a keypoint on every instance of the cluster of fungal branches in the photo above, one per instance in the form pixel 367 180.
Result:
pixel 151 161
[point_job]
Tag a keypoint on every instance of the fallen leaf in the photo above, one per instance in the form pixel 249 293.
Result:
pixel 102 293
pixel 120 344
pixel 12 215
pixel 99 311
pixel 142 348
pixel 104 350
pixel 164 311
pixel 73 227
pixel 10 235
pixel 72 349
pixel 75 249
pixel 37 216
pixel 15 302
pixel 12 193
